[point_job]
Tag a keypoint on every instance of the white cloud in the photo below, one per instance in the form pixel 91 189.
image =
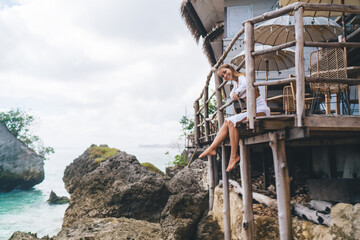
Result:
pixel 115 72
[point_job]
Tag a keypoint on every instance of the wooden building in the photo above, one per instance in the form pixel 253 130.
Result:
pixel 315 122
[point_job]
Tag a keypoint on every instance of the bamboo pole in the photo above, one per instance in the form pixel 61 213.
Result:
pixel 349 81
pixel 282 186
pixel 211 183
pixel 250 73
pixel 248 217
pixel 332 7
pixel 299 67
pixel 226 198
pixel 327 104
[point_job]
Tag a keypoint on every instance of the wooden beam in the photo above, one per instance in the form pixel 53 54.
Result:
pixel 287 134
pixel 282 186
pixel 274 82
pixel 349 81
pixel 332 7
pixel 250 73
pixel 332 44
pixel 339 123
pixel 299 67
pixel 274 49
pixel 248 217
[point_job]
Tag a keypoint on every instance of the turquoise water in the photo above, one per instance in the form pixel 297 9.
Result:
pixel 28 211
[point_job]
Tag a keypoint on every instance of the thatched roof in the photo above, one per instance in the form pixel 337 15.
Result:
pixel 213 43
pixel 201 16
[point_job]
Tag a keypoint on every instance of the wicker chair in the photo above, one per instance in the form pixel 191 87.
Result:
pixel 328 63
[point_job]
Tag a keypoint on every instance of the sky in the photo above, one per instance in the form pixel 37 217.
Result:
pixel 116 72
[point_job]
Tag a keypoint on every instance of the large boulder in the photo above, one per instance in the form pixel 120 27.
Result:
pixel 20 167
pixel 115 187
pixel 188 203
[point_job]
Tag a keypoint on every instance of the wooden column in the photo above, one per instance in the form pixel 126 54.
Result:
pixel 337 104
pixel 226 198
pixel 196 123
pixel 327 104
pixel 282 186
pixel 248 217
pixel 211 182
pixel 218 99
pixel 206 113
pixel 250 73
pixel 299 67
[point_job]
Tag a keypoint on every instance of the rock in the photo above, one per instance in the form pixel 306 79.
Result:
pixel 152 168
pixel 54 199
pixel 208 229
pixel 116 187
pixel 20 167
pixel 172 171
pixel 26 236
pixel 188 203
pixel 110 229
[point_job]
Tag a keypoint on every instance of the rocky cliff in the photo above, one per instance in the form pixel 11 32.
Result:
pixel 20 167
pixel 118 198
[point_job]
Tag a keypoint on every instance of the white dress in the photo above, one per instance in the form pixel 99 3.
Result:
pixel 260 103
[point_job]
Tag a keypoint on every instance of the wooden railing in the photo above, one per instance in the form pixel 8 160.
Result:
pixel 203 120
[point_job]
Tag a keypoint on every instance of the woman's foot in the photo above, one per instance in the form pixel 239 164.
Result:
pixel 232 163
pixel 208 151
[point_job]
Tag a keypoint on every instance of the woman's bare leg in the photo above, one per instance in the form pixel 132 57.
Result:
pixel 234 143
pixel 222 134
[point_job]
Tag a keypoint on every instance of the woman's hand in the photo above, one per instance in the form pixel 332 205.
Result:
pixel 235 96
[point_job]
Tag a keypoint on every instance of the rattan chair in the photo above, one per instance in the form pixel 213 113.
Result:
pixel 328 63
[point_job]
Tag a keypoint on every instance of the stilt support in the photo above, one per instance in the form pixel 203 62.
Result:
pixel 226 198
pixel 282 186
pixel 211 182
pixel 248 218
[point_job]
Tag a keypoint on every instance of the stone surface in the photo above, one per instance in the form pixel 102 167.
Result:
pixel 110 229
pixel 26 236
pixel 55 199
pixel 20 167
pixel 116 187
pixel 188 203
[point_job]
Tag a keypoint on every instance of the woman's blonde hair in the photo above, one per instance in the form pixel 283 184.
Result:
pixel 232 69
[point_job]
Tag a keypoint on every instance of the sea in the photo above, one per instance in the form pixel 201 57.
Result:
pixel 28 211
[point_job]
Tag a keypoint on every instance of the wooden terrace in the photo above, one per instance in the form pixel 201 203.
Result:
pixel 299 128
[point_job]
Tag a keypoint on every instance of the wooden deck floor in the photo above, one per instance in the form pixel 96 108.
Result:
pixel 317 130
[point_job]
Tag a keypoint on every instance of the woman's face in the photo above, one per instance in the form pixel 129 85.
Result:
pixel 225 73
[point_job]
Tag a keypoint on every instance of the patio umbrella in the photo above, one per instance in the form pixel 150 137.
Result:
pixel 282 29
pixel 274 61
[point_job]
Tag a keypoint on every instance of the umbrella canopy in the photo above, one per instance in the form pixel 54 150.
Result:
pixel 328 14
pixel 275 61
pixel 282 29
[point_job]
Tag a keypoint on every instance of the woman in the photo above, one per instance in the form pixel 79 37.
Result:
pixel 228 73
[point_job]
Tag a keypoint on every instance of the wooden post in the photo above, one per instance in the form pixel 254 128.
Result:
pixel 206 113
pixel 327 104
pixel 211 183
pixel 282 186
pixel 226 198
pixel 248 217
pixel 196 120
pixel 337 104
pixel 250 73
pixel 299 67
pixel 218 100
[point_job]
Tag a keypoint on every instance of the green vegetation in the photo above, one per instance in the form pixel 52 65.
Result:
pixel 102 152
pixel 179 160
pixel 19 124
pixel 152 168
